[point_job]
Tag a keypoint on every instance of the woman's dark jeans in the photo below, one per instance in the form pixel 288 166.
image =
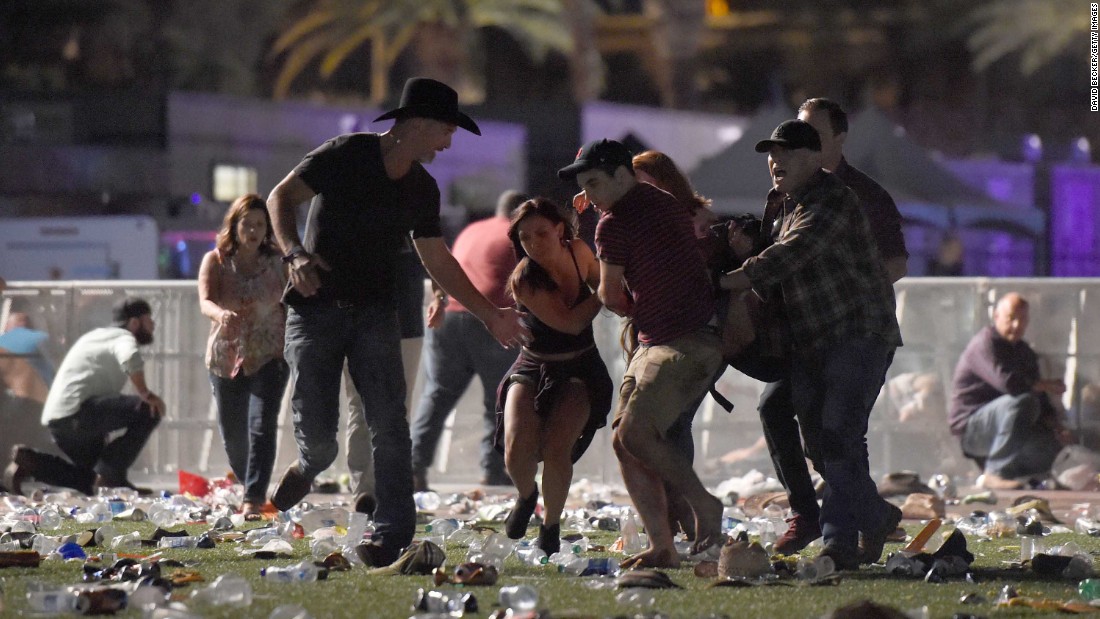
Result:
pixel 248 414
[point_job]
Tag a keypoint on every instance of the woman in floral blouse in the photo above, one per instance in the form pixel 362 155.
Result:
pixel 241 282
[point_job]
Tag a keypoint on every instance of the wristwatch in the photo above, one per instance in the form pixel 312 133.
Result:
pixel 294 252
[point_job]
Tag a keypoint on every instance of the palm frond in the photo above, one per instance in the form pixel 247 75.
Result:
pixel 339 52
pixel 1037 30
pixel 301 28
pixel 296 61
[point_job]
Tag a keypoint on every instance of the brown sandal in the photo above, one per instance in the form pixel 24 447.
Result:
pixel 252 511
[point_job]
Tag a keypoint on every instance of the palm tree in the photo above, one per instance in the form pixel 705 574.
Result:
pixel 440 32
pixel 219 45
pixel 1039 30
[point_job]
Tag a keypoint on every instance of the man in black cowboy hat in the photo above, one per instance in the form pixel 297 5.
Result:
pixel 369 193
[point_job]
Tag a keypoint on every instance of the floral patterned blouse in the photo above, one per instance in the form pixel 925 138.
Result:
pixel 256 298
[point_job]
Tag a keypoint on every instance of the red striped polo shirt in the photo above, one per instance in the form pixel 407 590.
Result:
pixel 650 235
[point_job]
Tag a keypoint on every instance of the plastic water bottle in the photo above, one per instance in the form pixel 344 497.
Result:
pixel 427 501
pixel 497 545
pixel 302 572
pixel 442 526
pixel 44 598
pixel 532 555
pixel 632 541
pixel 580 545
pixel 573 565
pixel 127 540
pixel 189 541
pixel 601 566
pixel 1089 589
pixel 226 590
pixel 519 597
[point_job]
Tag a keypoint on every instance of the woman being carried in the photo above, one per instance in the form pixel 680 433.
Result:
pixel 558 392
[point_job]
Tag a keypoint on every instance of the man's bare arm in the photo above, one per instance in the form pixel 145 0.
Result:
pixel 442 267
pixel 282 204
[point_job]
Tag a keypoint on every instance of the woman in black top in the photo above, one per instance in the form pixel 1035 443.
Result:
pixel 558 392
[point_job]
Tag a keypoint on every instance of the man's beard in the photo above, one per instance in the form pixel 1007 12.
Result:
pixel 143 337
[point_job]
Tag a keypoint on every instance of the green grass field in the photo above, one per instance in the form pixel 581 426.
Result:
pixel 356 594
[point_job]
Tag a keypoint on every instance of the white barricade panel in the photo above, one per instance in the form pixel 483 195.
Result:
pixel 938 316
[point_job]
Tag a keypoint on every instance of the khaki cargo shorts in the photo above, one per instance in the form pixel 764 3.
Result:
pixel 660 381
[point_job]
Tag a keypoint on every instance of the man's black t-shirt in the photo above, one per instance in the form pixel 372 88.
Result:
pixel 359 217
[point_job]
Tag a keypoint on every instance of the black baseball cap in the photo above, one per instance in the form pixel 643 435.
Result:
pixel 791 134
pixel 130 307
pixel 598 154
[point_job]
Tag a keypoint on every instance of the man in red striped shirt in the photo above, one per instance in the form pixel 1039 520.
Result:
pixel 652 272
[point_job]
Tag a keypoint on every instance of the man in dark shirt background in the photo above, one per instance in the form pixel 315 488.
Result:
pixel 1000 407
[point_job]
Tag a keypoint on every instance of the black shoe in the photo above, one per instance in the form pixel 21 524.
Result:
pixel 374 554
pixel 550 538
pixel 516 524
pixel 365 503
pixel 293 487
pixel 844 558
pixel 872 542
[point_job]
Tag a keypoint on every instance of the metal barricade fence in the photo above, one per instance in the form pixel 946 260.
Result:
pixel 908 427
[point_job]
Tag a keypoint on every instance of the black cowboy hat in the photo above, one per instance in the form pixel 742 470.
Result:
pixel 427 98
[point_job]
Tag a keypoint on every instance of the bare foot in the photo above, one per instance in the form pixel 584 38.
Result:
pixel 708 525
pixel 654 557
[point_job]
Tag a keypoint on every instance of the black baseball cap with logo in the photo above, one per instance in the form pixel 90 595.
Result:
pixel 791 134
pixel 604 154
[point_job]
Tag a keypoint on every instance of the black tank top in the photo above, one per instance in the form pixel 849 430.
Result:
pixel 547 340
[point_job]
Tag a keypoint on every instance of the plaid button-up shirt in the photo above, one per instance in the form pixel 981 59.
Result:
pixel 827 270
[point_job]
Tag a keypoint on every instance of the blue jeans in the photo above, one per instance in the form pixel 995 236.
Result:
pixel 248 415
pixel 1007 433
pixel 318 340
pixel 833 391
pixel 453 354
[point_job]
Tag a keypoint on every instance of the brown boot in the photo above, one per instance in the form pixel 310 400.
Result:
pixel 293 487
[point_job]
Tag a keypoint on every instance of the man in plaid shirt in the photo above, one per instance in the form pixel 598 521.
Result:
pixel 842 333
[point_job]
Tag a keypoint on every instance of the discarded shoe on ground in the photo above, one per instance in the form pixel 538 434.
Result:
pixel 921 506
pixel 741 559
pixel 902 483
pixel 645 579
pixel 421 557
